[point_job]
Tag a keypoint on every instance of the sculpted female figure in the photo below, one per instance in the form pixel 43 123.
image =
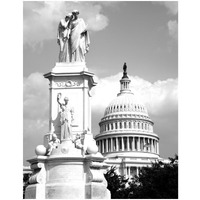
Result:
pixel 66 119
pixel 64 30
pixel 79 39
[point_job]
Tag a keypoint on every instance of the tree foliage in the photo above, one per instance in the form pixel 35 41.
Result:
pixel 116 183
pixel 25 182
pixel 160 181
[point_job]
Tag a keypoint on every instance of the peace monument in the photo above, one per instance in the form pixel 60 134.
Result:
pixel 68 164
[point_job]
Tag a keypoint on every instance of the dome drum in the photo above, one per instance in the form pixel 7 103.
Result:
pixel 128 143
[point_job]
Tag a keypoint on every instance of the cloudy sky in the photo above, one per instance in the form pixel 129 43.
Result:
pixel 142 34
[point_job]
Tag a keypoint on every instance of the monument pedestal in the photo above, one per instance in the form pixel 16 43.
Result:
pixel 62 177
pixel 74 168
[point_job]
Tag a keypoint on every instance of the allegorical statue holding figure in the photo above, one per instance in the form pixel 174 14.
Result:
pixel 73 38
pixel 66 118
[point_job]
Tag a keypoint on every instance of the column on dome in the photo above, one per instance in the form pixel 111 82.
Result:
pixel 133 144
pixel 141 143
pixel 110 126
pixel 106 144
pixel 145 143
pixel 117 144
pixel 122 125
pixel 149 146
pixel 137 171
pixel 103 150
pixel 97 143
pixel 138 145
pixel 128 145
pixel 157 147
pixel 111 144
pixel 122 140
pixel 155 144
pixel 114 144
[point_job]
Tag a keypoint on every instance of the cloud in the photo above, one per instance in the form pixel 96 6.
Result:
pixel 41 18
pixel 172 26
pixel 172 6
pixel 160 97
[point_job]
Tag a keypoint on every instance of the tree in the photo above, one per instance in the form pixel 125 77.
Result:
pixel 116 184
pixel 25 182
pixel 160 181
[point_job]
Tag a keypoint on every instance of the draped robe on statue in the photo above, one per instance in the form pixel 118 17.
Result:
pixel 63 37
pixel 79 40
pixel 66 123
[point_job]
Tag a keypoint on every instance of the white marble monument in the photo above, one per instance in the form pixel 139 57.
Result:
pixel 68 164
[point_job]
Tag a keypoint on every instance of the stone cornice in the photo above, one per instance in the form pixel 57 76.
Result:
pixel 125 133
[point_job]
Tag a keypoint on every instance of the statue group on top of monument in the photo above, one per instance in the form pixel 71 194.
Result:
pixel 73 38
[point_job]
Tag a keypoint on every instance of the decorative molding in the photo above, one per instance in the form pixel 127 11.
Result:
pixel 39 173
pixel 68 83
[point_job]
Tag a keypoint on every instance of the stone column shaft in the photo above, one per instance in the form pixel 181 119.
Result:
pixel 111 144
pixel 106 144
pixel 138 144
pixel 117 144
pixel 122 139
pixel 133 144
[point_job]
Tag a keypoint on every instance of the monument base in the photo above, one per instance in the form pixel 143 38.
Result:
pixel 63 177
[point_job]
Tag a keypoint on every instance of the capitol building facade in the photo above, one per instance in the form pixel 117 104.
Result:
pixel 126 137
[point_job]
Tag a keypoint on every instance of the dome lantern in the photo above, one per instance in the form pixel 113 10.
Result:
pixel 124 82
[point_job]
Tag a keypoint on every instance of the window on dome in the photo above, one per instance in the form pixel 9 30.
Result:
pixel 111 126
pixel 121 108
pixel 138 125
pixel 117 108
pixel 115 125
pixel 108 127
pixel 125 107
pixel 142 125
pixel 120 125
pixel 124 124
pixel 109 149
pixel 130 125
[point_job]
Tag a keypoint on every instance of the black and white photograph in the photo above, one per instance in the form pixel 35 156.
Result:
pixel 100 99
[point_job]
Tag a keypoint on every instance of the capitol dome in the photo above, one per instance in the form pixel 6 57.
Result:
pixel 128 103
pixel 126 131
